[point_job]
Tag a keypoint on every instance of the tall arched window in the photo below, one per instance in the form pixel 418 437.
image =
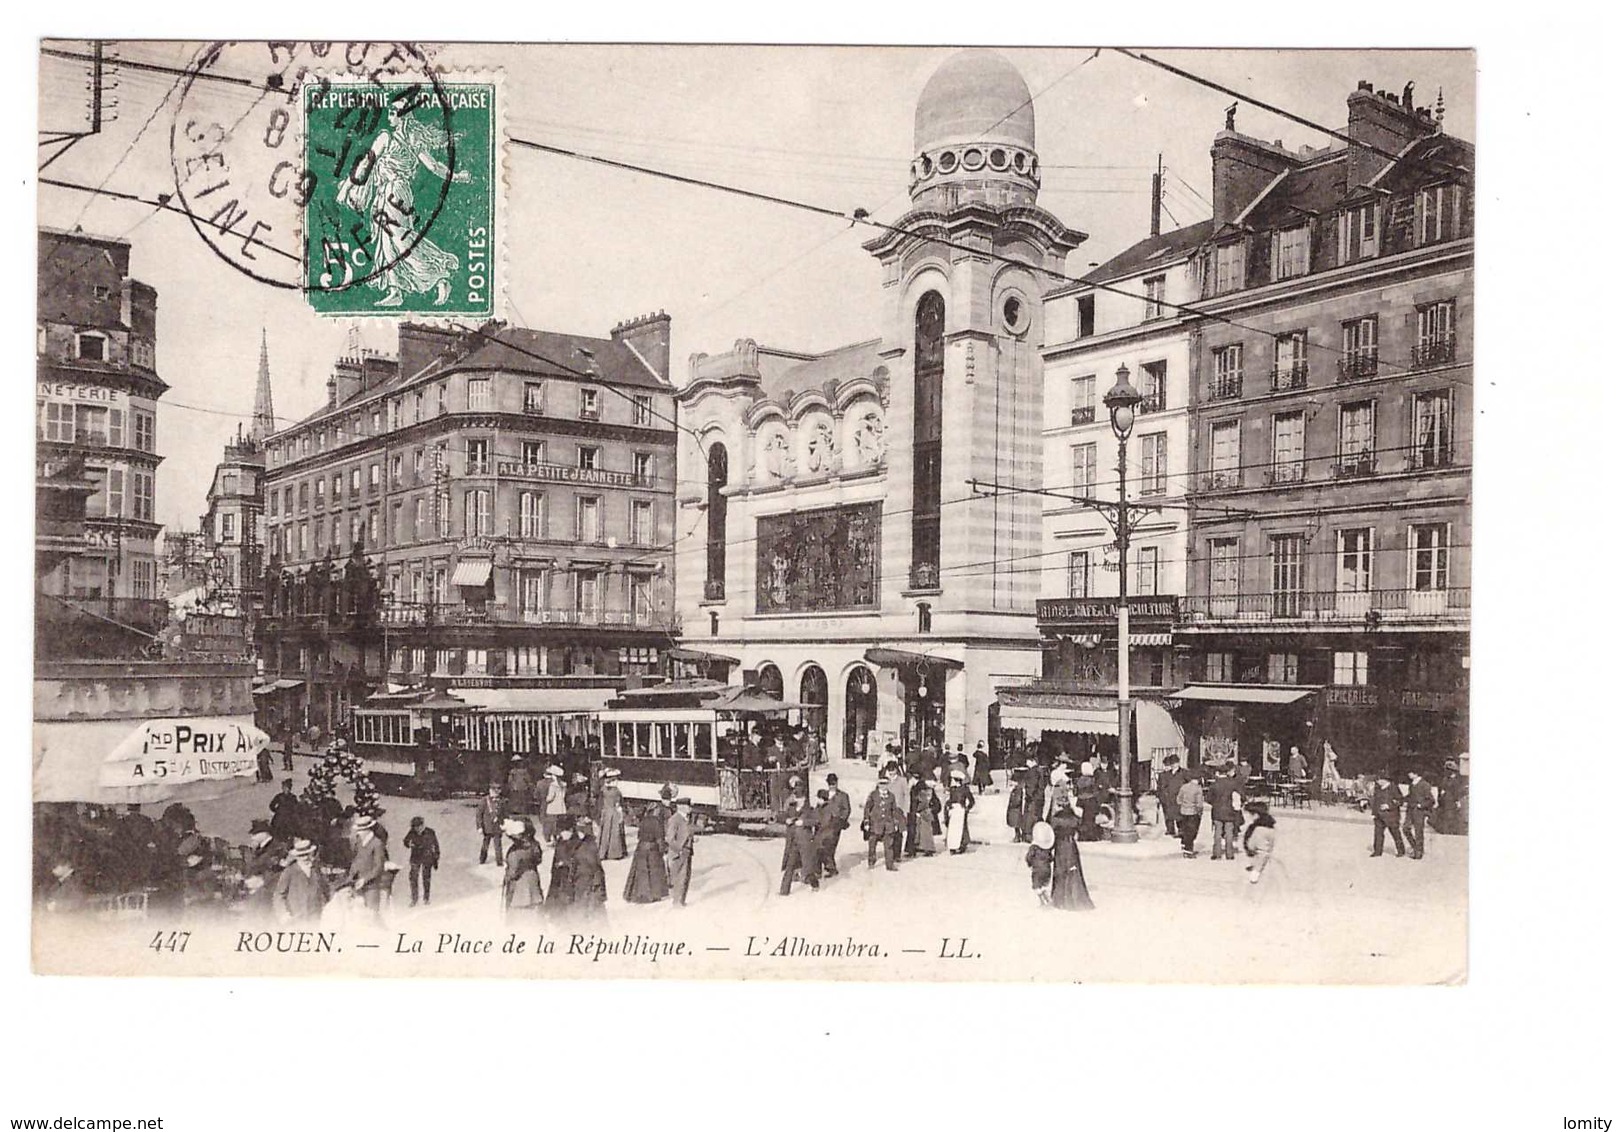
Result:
pixel 715 562
pixel 929 366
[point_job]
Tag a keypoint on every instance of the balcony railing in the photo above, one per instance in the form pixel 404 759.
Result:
pixel 1084 416
pixel 1353 466
pixel 1434 351
pixel 1369 608
pixel 1294 471
pixel 1152 403
pixel 1440 456
pixel 1221 479
pixel 1227 386
pixel 1356 367
pixel 1293 376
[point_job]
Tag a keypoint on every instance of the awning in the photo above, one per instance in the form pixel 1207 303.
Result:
pixel 1242 694
pixel 278 686
pixel 558 701
pixel 1081 721
pixel 1148 640
pixel 898 658
pixel 471 572
pixel 1157 733
pixel 695 655
pixel 747 699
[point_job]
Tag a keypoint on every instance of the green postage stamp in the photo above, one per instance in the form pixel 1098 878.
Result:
pixel 402 220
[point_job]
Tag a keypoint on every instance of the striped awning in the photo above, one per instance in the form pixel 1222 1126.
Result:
pixel 1081 721
pixel 471 572
pixel 1148 640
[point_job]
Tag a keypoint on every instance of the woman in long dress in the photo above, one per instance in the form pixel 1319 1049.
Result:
pixel 960 802
pixel 590 887
pixel 611 816
pixel 647 882
pixel 1331 773
pixel 923 823
pixel 521 883
pixel 1069 885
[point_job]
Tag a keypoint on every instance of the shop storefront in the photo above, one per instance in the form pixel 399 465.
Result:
pixel 1048 722
pixel 1254 723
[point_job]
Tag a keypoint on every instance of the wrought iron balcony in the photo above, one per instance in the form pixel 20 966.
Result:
pixel 1292 376
pixel 1434 456
pixel 1293 471
pixel 1371 609
pixel 1434 351
pixel 1353 466
pixel 1154 402
pixel 1226 386
pixel 1356 367
pixel 1084 416
pixel 1221 479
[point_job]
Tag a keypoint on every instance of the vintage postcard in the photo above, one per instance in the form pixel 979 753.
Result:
pixel 751 512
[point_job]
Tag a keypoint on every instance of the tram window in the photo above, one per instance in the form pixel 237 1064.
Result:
pixel 703 747
pixel 661 733
pixel 644 740
pixel 683 747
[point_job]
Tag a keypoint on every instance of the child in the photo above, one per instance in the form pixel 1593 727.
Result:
pixel 1040 859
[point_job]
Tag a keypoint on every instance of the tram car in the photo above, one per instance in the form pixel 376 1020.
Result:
pixel 436 744
pixel 733 750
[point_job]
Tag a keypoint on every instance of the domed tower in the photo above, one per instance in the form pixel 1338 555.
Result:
pixel 965 271
pixel 974 136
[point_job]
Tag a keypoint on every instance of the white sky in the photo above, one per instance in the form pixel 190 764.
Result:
pixel 587 246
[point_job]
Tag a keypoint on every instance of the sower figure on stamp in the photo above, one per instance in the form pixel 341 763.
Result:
pixel 1386 805
pixel 415 263
pixel 679 849
pixel 881 817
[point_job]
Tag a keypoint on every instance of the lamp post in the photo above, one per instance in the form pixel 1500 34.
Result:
pixel 1122 401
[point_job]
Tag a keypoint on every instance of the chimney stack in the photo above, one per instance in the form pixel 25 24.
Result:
pixel 1241 167
pixel 648 336
pixel 1383 121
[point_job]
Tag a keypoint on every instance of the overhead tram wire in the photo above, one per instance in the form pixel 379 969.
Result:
pixel 1272 109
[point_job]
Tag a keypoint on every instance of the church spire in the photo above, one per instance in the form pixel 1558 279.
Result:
pixel 264 417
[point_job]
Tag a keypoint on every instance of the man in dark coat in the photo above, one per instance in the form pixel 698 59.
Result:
pixel 679 850
pixel 301 890
pixel 1172 778
pixel 881 819
pixel 799 844
pixel 519 786
pixel 1225 813
pixel 286 813
pixel 1451 812
pixel 367 866
pixel 1386 806
pixel 1421 801
pixel 835 821
pixel 491 813
pixel 262 865
pixel 423 844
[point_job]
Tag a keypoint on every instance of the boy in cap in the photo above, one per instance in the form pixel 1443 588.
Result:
pixel 423 843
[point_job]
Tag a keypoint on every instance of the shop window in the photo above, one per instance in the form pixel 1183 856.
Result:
pixel 1219 667
pixel 1283 668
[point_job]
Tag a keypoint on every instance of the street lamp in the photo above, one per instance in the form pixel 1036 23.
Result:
pixel 1122 402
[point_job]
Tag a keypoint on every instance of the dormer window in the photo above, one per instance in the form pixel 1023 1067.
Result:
pixel 1154 298
pixel 91 347
pixel 1086 316
pixel 1230 267
pixel 1291 252
pixel 1359 233
pixel 1436 214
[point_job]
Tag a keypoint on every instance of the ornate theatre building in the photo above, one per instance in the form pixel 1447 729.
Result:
pixel 829 541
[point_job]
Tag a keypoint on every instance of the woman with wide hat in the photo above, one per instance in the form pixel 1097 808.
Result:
pixel 611 817
pixel 647 882
pixel 1069 884
pixel 521 892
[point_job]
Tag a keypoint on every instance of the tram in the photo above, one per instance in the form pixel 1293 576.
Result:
pixel 436 744
pixel 728 748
